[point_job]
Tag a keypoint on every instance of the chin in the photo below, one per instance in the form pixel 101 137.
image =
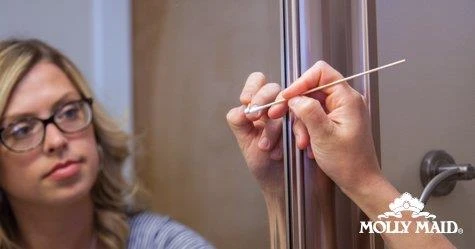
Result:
pixel 76 190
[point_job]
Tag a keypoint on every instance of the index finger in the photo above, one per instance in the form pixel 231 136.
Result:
pixel 253 83
pixel 318 75
pixel 278 110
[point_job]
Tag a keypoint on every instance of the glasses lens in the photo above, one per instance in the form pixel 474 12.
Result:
pixel 23 134
pixel 74 116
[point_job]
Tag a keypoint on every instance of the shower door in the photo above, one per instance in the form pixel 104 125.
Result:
pixel 191 59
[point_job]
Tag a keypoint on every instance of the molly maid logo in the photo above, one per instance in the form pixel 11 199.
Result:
pixel 406 203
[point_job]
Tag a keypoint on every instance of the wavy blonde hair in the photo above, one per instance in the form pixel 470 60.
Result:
pixel 110 191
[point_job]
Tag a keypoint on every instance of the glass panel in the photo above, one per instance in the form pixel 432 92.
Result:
pixel 191 59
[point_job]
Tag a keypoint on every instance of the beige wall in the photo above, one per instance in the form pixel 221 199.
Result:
pixel 427 103
pixel 190 61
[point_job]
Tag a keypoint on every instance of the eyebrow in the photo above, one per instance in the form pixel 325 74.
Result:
pixel 61 101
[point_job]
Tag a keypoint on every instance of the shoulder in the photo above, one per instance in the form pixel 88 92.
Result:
pixel 154 231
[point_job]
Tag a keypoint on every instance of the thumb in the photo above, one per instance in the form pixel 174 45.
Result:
pixel 311 113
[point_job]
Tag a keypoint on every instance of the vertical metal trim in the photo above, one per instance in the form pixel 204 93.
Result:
pixel 373 61
pixel 297 167
pixel 360 63
pixel 377 240
pixel 300 46
pixel 360 46
pixel 285 140
pixel 364 57
pixel 318 195
pixel 292 156
pixel 365 49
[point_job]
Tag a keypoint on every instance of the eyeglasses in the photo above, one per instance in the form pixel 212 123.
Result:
pixel 27 133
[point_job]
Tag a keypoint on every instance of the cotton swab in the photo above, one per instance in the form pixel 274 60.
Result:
pixel 255 108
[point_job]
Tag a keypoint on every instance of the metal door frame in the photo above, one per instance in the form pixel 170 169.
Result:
pixel 309 32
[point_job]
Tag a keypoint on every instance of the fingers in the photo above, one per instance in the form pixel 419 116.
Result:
pixel 312 115
pixel 239 124
pixel 270 135
pixel 277 152
pixel 278 110
pixel 319 74
pixel 267 93
pixel 253 83
pixel 302 138
pixel 270 139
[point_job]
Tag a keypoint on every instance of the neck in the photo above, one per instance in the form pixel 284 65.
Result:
pixel 53 227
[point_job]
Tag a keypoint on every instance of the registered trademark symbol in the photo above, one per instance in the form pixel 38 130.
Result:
pixel 460 231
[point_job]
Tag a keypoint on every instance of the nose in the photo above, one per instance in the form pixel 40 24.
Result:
pixel 54 140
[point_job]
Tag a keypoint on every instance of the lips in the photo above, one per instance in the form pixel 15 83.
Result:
pixel 64 170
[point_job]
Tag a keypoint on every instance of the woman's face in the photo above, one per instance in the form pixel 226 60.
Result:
pixel 64 166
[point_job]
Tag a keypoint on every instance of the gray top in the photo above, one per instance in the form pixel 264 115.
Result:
pixel 153 231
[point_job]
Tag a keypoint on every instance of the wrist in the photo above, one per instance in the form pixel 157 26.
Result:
pixel 367 174
pixel 373 195
pixel 366 187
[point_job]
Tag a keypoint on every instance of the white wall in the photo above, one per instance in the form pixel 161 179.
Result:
pixel 95 34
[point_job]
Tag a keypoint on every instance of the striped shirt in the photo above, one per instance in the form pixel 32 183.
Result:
pixel 153 231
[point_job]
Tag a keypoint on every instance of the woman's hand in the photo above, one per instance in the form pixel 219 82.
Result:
pixel 258 136
pixel 340 136
pixel 336 125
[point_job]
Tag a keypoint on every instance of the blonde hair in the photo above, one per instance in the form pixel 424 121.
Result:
pixel 110 191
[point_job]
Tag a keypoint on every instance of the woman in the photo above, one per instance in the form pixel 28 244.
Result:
pixel 334 127
pixel 61 159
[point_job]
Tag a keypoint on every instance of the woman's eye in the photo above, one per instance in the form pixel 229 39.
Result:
pixel 20 130
pixel 69 112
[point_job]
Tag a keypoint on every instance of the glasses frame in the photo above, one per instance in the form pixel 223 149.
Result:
pixel 50 120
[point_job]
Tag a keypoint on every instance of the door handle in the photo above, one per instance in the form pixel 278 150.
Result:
pixel 439 174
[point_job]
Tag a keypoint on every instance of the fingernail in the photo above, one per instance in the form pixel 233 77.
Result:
pixel 295 101
pixel 264 143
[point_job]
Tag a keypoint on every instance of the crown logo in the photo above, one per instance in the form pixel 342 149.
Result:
pixel 406 203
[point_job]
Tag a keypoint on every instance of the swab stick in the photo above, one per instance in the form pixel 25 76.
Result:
pixel 255 108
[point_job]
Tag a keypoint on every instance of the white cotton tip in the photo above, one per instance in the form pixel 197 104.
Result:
pixel 246 111
pixel 252 109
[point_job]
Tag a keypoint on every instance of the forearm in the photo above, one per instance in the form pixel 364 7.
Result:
pixel 277 228
pixel 374 198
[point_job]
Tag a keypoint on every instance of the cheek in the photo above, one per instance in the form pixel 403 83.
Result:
pixel 14 163
pixel 19 171
pixel 89 149
pixel 84 146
